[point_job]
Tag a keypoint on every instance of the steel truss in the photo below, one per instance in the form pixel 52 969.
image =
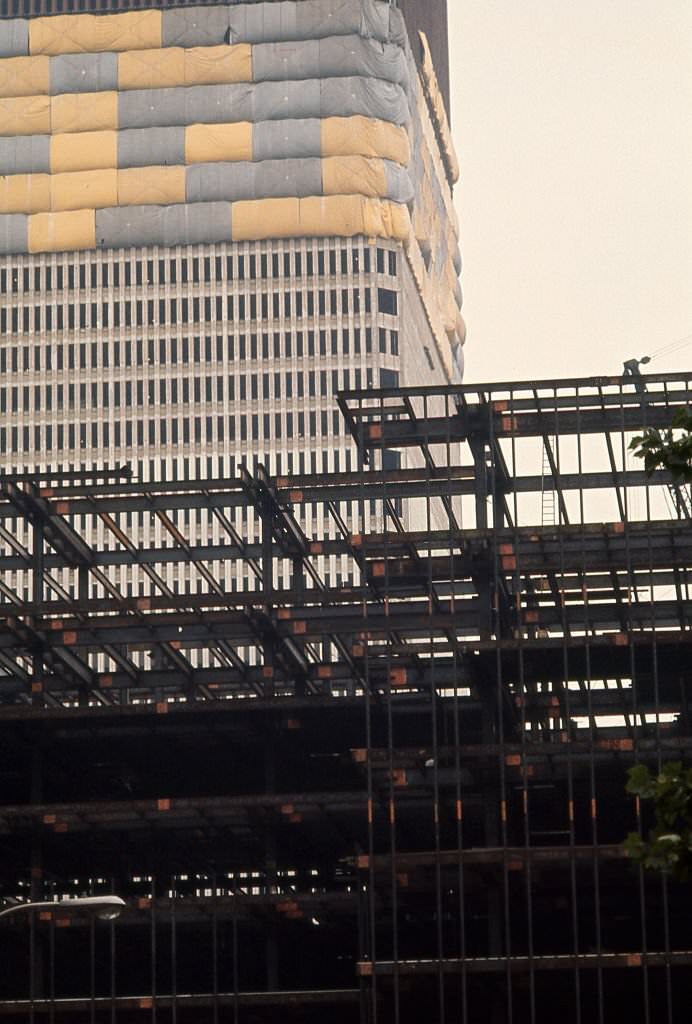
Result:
pixel 354 741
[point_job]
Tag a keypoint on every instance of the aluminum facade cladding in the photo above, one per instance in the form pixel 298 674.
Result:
pixel 184 361
pixel 228 123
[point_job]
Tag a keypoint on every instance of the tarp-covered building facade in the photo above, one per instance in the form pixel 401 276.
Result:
pixel 211 219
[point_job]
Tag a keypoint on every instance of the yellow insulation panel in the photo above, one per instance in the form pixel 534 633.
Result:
pixel 84 112
pixel 159 186
pixel 25 115
pixel 365 136
pixel 382 219
pixel 89 33
pixel 25 76
pixel 354 175
pixel 342 216
pixel 151 69
pixel 24 193
pixel 438 110
pixel 267 218
pixel 200 65
pixel 84 190
pixel 55 232
pixel 91 189
pixel 208 143
pixel 217 65
pixel 83 151
pixel 461 329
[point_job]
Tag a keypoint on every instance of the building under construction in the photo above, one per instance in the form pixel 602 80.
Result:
pixel 397 799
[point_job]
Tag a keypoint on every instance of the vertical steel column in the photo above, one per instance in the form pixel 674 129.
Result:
pixel 215 948
pixel 112 971
pixel 174 952
pixel 83 598
pixel 298 586
pixel 391 793
pixel 267 589
pixel 270 869
pixel 153 950
pixel 369 968
pixel 37 966
pixel 489 726
pixel 37 663
pixel 481 493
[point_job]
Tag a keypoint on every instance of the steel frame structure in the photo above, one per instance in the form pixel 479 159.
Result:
pixel 394 792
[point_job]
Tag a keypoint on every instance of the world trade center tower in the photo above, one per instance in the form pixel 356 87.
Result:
pixel 212 219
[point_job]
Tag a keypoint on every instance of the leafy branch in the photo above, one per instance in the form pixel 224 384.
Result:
pixel 668 848
pixel 668 449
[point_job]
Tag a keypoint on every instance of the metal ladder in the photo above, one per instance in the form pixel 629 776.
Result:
pixel 548 498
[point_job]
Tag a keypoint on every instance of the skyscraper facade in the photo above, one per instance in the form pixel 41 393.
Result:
pixel 211 219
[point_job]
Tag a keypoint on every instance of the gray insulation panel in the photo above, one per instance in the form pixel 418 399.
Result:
pixel 399 184
pixel 376 20
pixel 397 32
pixel 299 178
pixel 280 62
pixel 263 101
pixel 271 179
pixel 25 154
pixel 195 26
pixel 123 226
pixel 14 233
pixel 308 19
pixel 274 140
pixel 351 55
pixel 266 22
pixel 337 56
pixel 83 72
pixel 151 146
pixel 14 37
pixel 206 104
pixel 458 357
pixel 274 100
pixel 345 97
pixel 333 17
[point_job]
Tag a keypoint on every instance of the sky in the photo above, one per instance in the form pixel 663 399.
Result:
pixel 573 126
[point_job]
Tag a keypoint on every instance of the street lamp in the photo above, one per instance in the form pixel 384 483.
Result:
pixel 107 908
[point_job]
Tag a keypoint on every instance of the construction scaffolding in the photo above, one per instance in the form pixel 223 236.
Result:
pixel 378 773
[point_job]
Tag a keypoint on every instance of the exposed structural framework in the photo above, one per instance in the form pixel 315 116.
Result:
pixel 397 799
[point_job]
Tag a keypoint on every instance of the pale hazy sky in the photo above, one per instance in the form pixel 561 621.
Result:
pixel 573 124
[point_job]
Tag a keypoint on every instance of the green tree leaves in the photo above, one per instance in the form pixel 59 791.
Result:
pixel 668 449
pixel 668 848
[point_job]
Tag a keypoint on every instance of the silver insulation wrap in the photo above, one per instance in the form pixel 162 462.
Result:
pixel 163 225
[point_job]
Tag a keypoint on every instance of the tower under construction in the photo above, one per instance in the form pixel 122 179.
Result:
pixel 397 798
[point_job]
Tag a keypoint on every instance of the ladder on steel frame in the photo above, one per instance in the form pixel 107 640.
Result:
pixel 548 498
